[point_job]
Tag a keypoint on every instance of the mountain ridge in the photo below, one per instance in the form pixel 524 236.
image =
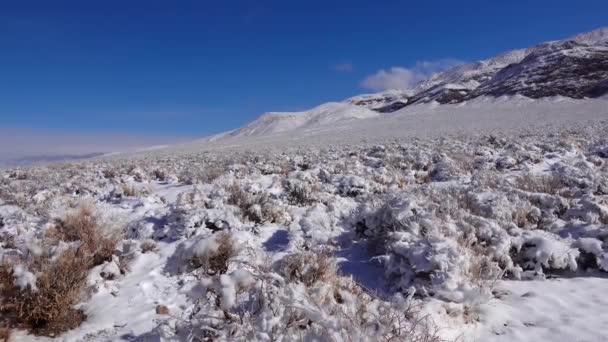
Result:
pixel 575 67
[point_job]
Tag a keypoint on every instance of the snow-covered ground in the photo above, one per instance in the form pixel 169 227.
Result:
pixel 483 221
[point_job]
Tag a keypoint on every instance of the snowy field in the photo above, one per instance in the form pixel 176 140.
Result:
pixel 484 221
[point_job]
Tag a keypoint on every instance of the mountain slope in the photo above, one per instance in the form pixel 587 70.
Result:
pixel 325 114
pixel 567 68
pixel 386 101
pixel 576 67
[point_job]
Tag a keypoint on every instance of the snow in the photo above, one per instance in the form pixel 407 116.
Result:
pixel 326 114
pixel 565 309
pixel 437 221
pixel 468 72
pixel 24 279
pixel 596 36
pixel 478 221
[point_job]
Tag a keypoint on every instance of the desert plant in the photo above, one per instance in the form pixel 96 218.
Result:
pixel 258 208
pixel 298 193
pixel 217 254
pixel 308 267
pixel 548 184
pixel 148 246
pixel 5 334
pixel 84 226
pixel 47 307
pixel 109 173
pixel 39 291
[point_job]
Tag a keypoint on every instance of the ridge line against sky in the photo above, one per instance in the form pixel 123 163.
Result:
pixel 191 69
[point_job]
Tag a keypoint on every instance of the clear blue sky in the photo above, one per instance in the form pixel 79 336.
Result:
pixel 181 68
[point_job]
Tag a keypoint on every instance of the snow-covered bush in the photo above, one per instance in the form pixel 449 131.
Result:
pixel 212 254
pixel 295 300
pixel 268 243
pixel 39 289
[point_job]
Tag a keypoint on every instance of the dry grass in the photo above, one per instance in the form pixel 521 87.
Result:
pixel 159 175
pixel 7 241
pixel 464 162
pixel 258 208
pixel 109 174
pixel 203 175
pixel 521 217
pixel 309 267
pixel 84 226
pixel 128 190
pixel 148 246
pixel 49 309
pixel 5 334
pixel 422 178
pixel 547 184
pixel 298 193
pixel 218 260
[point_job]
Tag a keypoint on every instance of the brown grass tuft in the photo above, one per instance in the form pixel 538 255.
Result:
pixel 258 208
pixel 128 190
pixel 547 184
pixel 148 246
pixel 5 334
pixel 84 226
pixel 49 309
pixel 218 260
pixel 309 267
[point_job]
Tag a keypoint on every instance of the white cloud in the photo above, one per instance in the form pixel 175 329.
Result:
pixel 406 78
pixel 344 67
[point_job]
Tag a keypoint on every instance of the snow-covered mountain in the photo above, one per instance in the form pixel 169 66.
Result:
pixel 384 102
pixel 576 67
pixel 325 114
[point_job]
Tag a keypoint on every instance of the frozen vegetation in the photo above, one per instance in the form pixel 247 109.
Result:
pixel 499 233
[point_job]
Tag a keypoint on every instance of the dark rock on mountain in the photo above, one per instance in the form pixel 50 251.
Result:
pixel 576 67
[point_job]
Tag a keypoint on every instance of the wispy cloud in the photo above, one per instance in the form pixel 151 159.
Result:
pixel 405 78
pixel 344 67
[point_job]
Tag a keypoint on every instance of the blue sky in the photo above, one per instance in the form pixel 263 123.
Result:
pixel 189 69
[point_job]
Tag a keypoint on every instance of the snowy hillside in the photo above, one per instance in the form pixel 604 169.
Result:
pixel 323 115
pixel 576 67
pixel 387 101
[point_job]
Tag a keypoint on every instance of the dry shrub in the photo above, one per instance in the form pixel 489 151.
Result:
pixel 5 334
pixel 18 175
pixel 159 175
pixel 128 190
pixel 298 193
pixel 48 309
pixel 84 226
pixel 7 241
pixel 423 178
pixel 204 175
pixel 464 162
pixel 548 184
pixel 309 267
pixel 258 208
pixel 216 261
pixel 483 269
pixel 148 246
pixel 521 217
pixel 109 174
